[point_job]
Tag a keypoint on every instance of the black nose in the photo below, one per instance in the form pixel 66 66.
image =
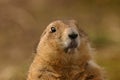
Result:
pixel 73 36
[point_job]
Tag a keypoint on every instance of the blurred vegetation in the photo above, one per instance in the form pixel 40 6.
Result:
pixel 22 22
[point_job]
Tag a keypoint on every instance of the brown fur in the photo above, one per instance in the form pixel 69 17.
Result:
pixel 52 63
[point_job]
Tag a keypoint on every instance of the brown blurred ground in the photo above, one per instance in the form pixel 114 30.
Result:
pixel 22 22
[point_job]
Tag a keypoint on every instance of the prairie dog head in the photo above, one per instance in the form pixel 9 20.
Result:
pixel 62 35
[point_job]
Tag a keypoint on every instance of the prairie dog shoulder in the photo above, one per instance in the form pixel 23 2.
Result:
pixel 64 53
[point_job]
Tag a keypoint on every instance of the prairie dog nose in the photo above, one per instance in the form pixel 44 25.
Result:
pixel 73 36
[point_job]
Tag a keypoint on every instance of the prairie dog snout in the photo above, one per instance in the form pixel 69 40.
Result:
pixel 71 39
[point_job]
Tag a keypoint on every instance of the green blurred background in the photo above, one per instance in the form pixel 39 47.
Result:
pixel 22 22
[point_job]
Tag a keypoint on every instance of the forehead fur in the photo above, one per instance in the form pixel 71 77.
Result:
pixel 68 23
pixel 60 25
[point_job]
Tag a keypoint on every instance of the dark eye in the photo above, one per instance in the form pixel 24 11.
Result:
pixel 53 29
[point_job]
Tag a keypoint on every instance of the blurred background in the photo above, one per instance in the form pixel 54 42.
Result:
pixel 22 22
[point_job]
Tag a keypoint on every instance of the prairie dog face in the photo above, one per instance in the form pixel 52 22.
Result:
pixel 63 35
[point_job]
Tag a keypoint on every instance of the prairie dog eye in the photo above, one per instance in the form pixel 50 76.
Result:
pixel 53 29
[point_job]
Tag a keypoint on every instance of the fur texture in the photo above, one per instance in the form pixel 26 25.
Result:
pixel 56 61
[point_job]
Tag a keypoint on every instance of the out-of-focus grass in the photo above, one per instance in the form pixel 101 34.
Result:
pixel 101 41
pixel 109 58
pixel 21 72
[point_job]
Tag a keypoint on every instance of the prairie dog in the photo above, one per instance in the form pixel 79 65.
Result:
pixel 64 53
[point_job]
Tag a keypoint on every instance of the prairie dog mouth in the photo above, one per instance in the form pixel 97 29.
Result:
pixel 71 47
pixel 73 44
